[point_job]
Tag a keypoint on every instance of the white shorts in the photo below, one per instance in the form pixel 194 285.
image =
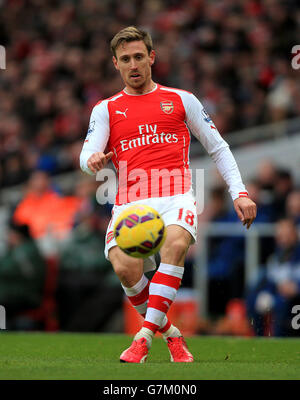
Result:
pixel 174 210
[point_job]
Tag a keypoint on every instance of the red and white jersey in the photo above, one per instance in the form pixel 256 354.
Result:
pixel 151 132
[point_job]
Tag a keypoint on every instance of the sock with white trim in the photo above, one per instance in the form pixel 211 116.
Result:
pixel 171 332
pixel 145 333
pixel 138 296
pixel 162 292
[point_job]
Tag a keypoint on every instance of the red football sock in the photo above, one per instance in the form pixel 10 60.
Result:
pixel 162 292
pixel 138 296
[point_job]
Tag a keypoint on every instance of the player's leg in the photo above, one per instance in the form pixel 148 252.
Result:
pixel 181 221
pixel 173 254
pixel 177 243
pixel 138 293
pixel 136 286
pixel 167 279
pixel 130 272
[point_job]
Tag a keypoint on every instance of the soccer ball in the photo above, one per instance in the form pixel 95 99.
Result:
pixel 140 231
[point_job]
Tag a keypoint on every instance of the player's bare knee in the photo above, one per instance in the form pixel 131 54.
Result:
pixel 128 275
pixel 128 269
pixel 123 273
pixel 173 252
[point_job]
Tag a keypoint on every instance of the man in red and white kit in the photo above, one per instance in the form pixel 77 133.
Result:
pixel 146 128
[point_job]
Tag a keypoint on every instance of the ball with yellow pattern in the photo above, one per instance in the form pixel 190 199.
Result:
pixel 140 231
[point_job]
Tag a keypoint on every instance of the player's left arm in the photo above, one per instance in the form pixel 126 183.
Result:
pixel 203 128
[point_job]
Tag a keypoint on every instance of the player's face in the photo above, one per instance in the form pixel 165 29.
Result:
pixel 134 63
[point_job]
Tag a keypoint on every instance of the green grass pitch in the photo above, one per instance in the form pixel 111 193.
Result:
pixel 96 356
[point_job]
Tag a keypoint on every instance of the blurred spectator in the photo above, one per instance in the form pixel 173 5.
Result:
pixel 44 210
pixel 234 322
pixel 22 277
pixel 85 190
pixel 265 210
pixel 293 206
pixel 278 287
pixel 266 177
pixel 37 208
pixel 89 293
pixel 265 214
pixel 14 171
pixel 283 186
pixel 225 257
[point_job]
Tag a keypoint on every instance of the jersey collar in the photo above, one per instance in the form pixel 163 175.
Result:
pixel 144 94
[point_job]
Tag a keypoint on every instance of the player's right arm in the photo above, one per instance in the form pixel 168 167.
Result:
pixel 92 157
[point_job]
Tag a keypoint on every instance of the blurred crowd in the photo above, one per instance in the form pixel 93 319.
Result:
pixel 53 273
pixel 235 55
pixel 267 301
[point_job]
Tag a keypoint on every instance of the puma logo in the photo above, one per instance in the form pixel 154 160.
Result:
pixel 122 112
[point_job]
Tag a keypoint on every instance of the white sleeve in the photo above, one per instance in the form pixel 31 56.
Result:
pixel 97 135
pixel 203 128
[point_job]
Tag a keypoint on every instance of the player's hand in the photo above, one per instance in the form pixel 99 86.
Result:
pixel 245 209
pixel 97 161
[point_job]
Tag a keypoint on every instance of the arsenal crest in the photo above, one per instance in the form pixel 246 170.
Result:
pixel 167 106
